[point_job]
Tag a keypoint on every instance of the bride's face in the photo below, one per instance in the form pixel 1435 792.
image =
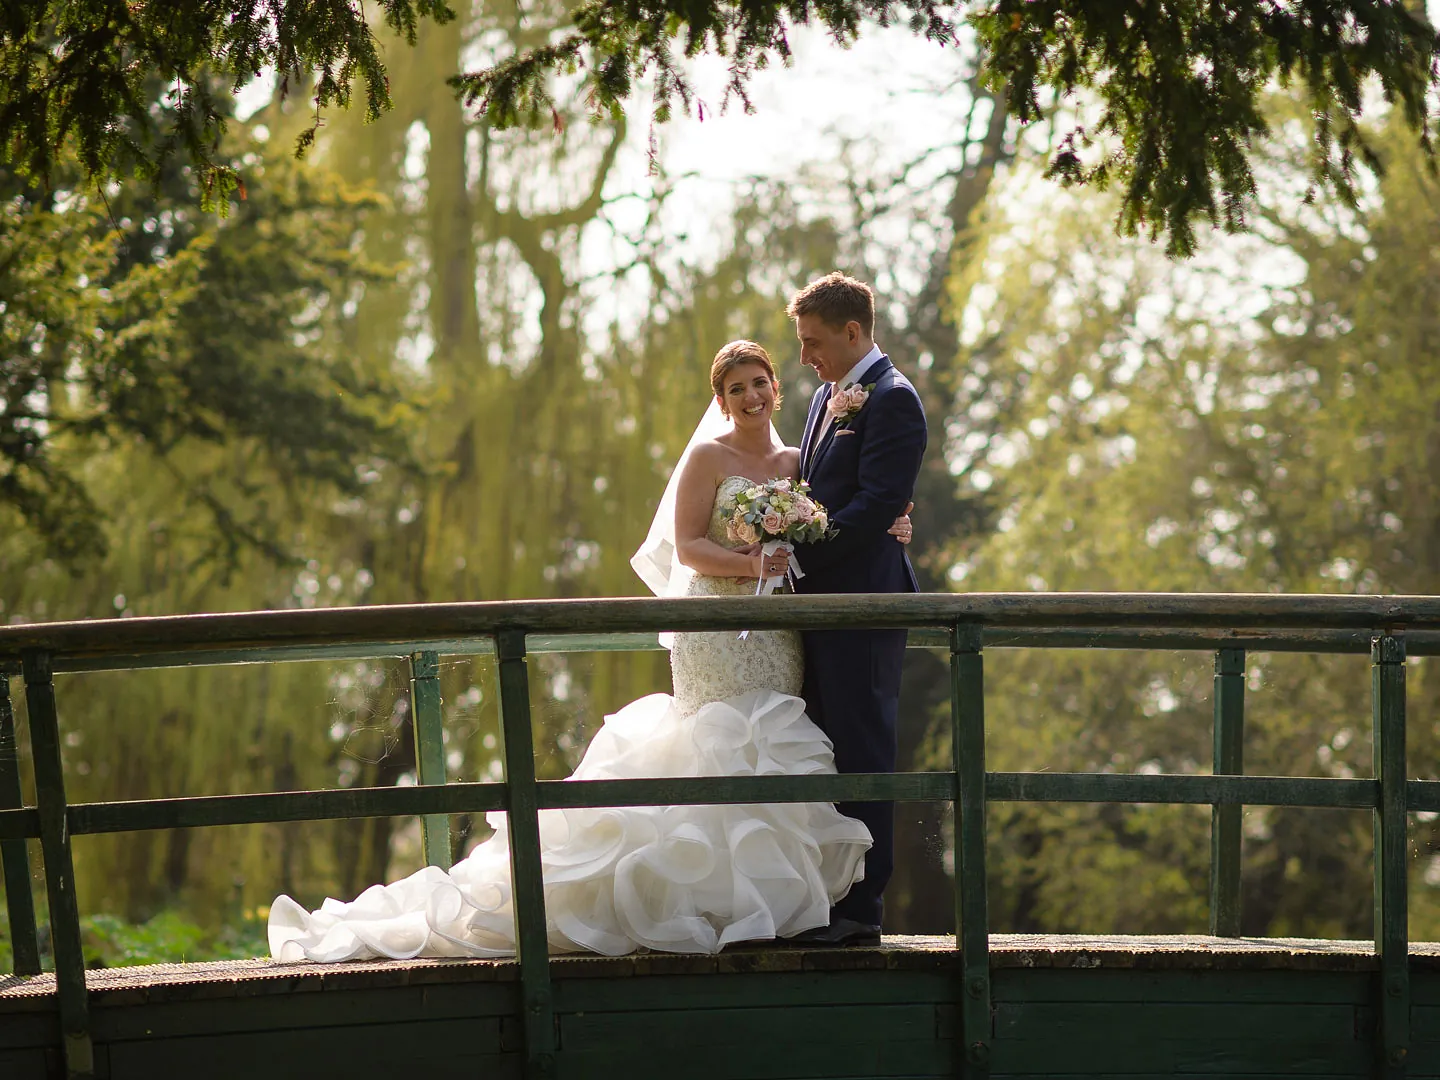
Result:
pixel 748 395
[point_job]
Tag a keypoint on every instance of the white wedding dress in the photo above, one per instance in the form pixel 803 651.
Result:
pixel 671 878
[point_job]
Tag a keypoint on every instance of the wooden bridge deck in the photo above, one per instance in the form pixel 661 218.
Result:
pixel 1061 1006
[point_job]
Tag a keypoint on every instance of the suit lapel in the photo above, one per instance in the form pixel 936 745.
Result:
pixel 812 426
pixel 870 374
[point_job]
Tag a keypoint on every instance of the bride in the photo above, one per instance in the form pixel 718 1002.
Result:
pixel 671 878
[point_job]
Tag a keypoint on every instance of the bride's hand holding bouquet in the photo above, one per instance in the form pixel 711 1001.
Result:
pixel 777 515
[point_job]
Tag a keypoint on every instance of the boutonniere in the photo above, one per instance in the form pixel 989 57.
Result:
pixel 845 404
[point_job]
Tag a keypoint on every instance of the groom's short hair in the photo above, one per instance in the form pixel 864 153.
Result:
pixel 838 300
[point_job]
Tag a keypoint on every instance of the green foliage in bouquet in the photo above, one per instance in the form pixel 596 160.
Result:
pixel 779 510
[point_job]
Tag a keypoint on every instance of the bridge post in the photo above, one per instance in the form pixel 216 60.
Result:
pixel 972 919
pixel 527 882
pixel 19 900
pixel 1392 937
pixel 59 864
pixel 428 723
pixel 1225 820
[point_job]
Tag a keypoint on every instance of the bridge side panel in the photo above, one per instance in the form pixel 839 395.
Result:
pixel 1076 1022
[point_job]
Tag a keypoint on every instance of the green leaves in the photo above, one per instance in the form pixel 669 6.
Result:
pixel 1174 86
pixel 164 336
pixel 1159 97
pixel 1178 86
pixel 76 77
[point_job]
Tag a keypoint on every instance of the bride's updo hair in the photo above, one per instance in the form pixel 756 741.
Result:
pixel 732 356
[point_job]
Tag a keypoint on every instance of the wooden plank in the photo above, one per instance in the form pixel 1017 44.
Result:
pixel 856 787
pixel 28 1064
pixel 1425 993
pixel 1422 795
pixel 778 992
pixel 206 810
pixel 972 918
pixel 1424 1025
pixel 483 1004
pixel 26 1029
pixel 523 816
pixel 1229 758
pixel 59 865
pixel 1181 788
pixel 1391 854
pixel 21 824
pixel 200 811
pixel 1126 1050
pixel 1080 986
pixel 420 623
pixel 1421 643
pixel 441 1048
pixel 14 853
pixel 796 1056
pixel 1163 1021
pixel 701 1029
pixel 428 723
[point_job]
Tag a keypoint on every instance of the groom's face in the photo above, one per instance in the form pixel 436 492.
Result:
pixel 831 350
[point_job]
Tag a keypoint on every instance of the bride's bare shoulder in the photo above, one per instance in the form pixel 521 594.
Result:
pixel 706 459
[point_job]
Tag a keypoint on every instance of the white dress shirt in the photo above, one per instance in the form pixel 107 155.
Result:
pixel 853 375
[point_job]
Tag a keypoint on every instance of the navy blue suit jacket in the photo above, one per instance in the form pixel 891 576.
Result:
pixel 863 475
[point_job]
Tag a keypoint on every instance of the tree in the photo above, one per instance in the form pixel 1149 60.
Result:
pixel 1178 83
pixel 127 317
pixel 1178 446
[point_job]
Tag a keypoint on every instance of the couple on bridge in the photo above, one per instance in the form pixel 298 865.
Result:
pixel 698 878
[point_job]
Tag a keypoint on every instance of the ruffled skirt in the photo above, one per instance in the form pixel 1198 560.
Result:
pixel 670 878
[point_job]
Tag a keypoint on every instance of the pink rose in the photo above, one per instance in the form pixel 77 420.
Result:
pixel 804 513
pixel 847 402
pixel 772 523
pixel 746 533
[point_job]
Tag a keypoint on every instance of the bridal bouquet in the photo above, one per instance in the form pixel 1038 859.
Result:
pixel 779 514
pixel 777 511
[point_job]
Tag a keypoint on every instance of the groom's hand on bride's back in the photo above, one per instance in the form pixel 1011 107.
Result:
pixel 903 530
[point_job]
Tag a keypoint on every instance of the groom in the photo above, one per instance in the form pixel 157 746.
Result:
pixel 864 438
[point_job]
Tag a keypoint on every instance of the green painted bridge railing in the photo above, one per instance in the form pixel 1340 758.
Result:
pixel 1226 624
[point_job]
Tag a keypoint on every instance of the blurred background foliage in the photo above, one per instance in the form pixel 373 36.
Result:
pixel 393 374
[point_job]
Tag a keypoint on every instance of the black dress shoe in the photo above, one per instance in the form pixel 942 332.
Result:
pixel 839 933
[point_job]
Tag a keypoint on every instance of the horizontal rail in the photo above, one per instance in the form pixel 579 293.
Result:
pixel 130 816
pixel 720 790
pixel 408 626
pixel 1181 788
pixel 471 798
pixel 21 824
pixel 1351 642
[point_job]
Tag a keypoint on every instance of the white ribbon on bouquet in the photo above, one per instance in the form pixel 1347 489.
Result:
pixel 767 585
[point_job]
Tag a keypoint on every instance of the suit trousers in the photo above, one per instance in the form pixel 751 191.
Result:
pixel 852 692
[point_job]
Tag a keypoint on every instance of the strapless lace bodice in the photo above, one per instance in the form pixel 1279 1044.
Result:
pixel 713 667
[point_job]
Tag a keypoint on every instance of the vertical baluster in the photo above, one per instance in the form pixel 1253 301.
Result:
pixel 1225 820
pixel 59 865
pixel 522 802
pixel 1392 934
pixel 972 920
pixel 429 726
pixel 19 900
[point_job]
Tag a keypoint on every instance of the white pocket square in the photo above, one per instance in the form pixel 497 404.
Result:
pixel 844 431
